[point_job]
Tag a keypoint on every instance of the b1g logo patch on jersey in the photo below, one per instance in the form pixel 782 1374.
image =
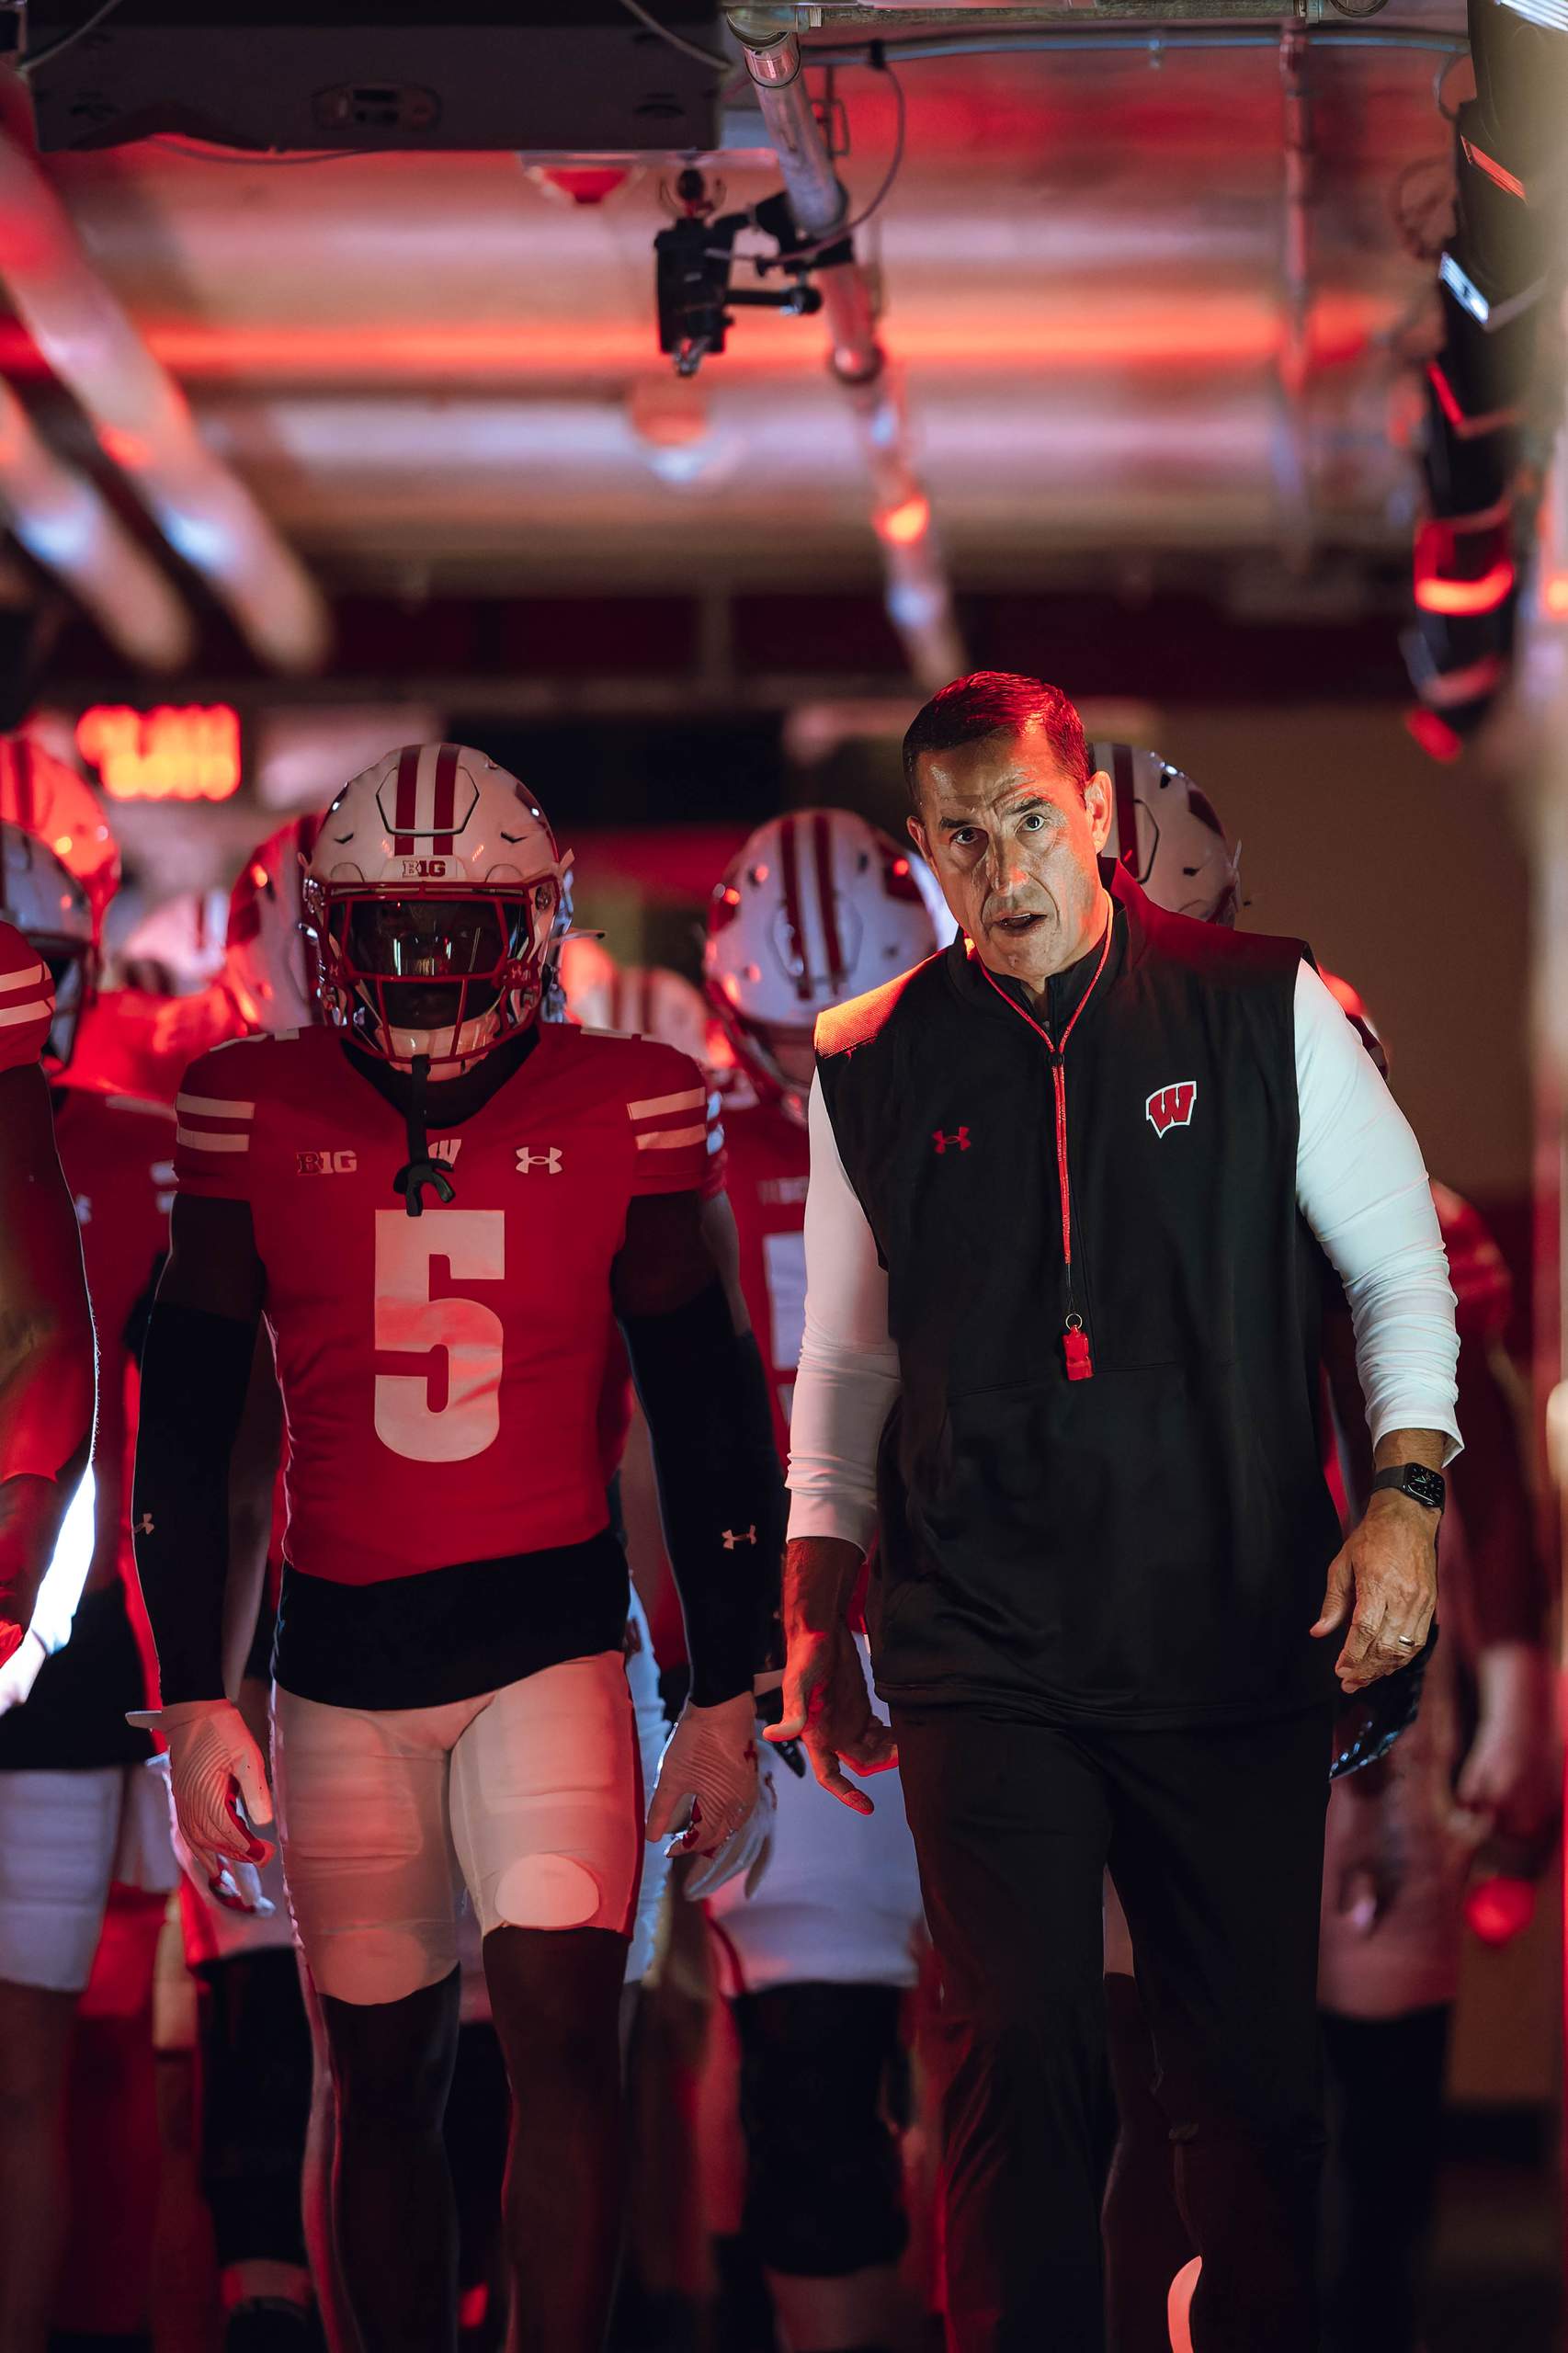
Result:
pixel 549 1160
pixel 326 1164
pixel 423 869
pixel 1171 1107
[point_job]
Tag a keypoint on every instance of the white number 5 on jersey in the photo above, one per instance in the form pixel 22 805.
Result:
pixel 473 1245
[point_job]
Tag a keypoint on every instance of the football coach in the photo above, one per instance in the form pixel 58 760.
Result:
pixel 1070 1182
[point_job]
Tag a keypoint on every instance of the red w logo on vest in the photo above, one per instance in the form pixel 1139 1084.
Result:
pixel 1171 1107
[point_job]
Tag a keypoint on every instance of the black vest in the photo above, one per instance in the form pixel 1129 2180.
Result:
pixel 1145 1544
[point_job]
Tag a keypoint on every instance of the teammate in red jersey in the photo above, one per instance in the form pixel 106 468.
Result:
pixel 817 1950
pixel 442 1210
pixel 71 1788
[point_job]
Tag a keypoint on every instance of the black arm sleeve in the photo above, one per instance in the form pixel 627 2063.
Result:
pixel 195 1372
pixel 704 1394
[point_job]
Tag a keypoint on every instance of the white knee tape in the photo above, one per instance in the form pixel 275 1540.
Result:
pixel 547 1891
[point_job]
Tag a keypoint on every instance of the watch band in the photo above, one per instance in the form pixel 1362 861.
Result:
pixel 1413 1479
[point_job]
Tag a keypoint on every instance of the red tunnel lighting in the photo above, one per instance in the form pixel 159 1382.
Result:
pixel 1434 594
pixel 1554 595
pixel 1465 566
pixel 1434 735
pixel 902 526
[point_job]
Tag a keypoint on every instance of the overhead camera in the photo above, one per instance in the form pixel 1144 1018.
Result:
pixel 695 258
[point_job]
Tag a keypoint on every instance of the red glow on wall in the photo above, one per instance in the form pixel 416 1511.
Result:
pixel 191 753
pixel 1500 1909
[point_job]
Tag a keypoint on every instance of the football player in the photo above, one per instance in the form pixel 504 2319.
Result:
pixel 442 1208
pixel 72 1790
pixel 816 1960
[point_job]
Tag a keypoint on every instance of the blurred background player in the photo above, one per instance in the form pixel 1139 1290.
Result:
pixel 1476 1771
pixel 816 1955
pixel 73 1799
pixel 503 1674
pixel 1457 1820
pixel 639 1000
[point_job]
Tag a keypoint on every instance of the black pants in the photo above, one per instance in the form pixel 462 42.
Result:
pixel 1215 1839
pixel 824 2192
pixel 1385 2104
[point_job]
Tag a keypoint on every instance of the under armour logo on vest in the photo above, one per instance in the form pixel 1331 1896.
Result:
pixel 958 1140
pixel 731 1539
pixel 1171 1107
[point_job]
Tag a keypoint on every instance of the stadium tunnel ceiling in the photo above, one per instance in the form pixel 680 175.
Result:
pixel 438 375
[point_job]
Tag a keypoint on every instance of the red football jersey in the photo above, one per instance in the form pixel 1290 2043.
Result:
pixel 118 1155
pixel 133 1043
pixel 26 1001
pixel 441 1375
pixel 767 1160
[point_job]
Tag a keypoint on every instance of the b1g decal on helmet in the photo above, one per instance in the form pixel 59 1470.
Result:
pixel 1171 1107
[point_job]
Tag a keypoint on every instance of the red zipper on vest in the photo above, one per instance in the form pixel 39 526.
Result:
pixel 1074 1339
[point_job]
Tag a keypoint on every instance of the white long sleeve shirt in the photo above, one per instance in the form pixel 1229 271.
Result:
pixel 1360 1185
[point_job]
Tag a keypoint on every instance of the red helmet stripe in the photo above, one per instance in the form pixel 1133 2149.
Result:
pixel 790 860
pixel 822 829
pixel 446 799
pixel 405 804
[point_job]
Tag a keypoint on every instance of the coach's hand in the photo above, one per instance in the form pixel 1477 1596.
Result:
pixel 1384 1578
pixel 827 1709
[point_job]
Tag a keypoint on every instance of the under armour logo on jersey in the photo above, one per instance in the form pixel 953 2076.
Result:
pixel 1171 1107
pixel 958 1140
pixel 731 1539
pixel 549 1160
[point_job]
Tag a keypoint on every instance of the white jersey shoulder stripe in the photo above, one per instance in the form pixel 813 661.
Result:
pixel 30 978
pixel 38 1009
pixel 669 1139
pixel 212 1144
pixel 657 1106
pixel 214 1107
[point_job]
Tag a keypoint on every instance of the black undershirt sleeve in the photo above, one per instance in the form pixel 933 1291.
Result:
pixel 704 1394
pixel 195 1373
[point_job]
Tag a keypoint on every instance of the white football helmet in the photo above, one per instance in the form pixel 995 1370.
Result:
pixel 1167 834
pixel 50 908
pixel 646 1001
pixel 817 906
pixel 176 949
pixel 49 801
pixel 270 965
pixel 432 889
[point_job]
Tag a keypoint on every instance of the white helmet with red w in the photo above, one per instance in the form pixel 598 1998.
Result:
pixel 431 889
pixel 270 966
pixel 817 906
pixel 1168 836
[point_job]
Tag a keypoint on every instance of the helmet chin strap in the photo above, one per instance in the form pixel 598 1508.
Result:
pixel 420 1169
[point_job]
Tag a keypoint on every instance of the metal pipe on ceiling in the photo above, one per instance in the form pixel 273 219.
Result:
pixel 144 426
pixel 65 526
pixel 919 598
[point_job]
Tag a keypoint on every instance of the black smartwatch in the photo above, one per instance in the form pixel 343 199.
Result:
pixel 1413 1479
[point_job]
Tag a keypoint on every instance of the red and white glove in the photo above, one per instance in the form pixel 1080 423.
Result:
pixel 747 1849
pixel 708 1778
pixel 214 1768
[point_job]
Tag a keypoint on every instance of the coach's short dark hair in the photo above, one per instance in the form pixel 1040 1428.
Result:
pixel 996 702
